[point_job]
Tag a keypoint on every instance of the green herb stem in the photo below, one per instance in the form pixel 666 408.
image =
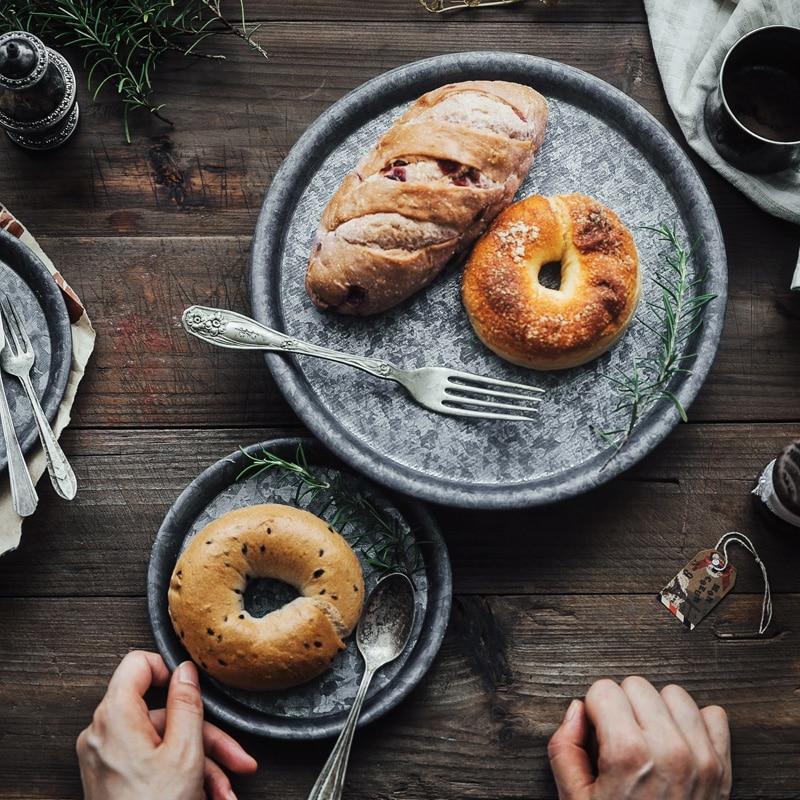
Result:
pixel 678 314
pixel 123 41
pixel 387 544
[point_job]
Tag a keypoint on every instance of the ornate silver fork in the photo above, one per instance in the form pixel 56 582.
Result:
pixel 446 391
pixel 17 359
pixel 23 492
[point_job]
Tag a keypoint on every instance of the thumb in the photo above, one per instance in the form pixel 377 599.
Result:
pixel 184 725
pixel 569 760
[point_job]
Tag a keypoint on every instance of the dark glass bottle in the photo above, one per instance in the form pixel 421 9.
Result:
pixel 38 109
pixel 778 489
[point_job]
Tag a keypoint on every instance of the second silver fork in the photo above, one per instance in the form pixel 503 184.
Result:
pixel 17 359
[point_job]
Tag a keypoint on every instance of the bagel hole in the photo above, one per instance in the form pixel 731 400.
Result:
pixel 550 275
pixel 263 595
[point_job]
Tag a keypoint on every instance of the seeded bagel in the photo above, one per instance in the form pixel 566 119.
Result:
pixel 290 645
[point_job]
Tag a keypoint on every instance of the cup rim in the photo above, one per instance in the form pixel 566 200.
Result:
pixel 733 116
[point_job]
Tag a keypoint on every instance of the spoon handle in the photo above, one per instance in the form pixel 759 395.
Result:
pixel 330 783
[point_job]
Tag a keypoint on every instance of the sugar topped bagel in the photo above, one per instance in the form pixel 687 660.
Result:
pixel 529 324
pixel 290 645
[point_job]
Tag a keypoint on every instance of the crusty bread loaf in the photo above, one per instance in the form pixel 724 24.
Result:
pixel 427 190
pixel 290 645
pixel 534 326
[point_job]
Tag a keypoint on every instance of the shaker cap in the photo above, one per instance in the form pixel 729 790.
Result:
pixel 786 477
pixel 23 60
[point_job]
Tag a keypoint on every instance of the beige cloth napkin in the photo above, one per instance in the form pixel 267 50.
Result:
pixel 82 346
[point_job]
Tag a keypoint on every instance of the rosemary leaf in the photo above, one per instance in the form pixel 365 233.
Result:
pixel 123 41
pixel 386 543
pixel 679 316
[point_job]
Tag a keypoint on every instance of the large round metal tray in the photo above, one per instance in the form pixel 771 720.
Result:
pixel 599 142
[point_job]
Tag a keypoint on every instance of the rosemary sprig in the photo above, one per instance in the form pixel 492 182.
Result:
pixel 679 312
pixel 123 41
pixel 387 544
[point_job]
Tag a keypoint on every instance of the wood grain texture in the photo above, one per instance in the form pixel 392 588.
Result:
pixel 147 372
pixel 236 122
pixel 630 536
pixel 348 11
pixel 547 600
pixel 476 727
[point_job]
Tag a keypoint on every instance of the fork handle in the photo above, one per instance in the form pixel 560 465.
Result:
pixel 61 474
pixel 238 332
pixel 23 492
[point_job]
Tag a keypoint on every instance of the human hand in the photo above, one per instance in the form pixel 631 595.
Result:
pixel 650 746
pixel 132 753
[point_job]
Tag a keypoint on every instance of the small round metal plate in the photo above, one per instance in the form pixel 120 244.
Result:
pixel 38 301
pixel 317 709
pixel 599 142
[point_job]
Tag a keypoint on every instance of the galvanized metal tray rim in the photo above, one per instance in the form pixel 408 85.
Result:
pixel 166 547
pixel 405 83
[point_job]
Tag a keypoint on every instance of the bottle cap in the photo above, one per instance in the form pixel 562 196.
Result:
pixel 23 60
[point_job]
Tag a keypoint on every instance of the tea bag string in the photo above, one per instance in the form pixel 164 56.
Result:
pixel 734 537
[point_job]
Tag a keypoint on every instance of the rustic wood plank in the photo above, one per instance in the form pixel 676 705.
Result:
pixel 585 11
pixel 236 122
pixel 630 536
pixel 147 372
pixel 478 725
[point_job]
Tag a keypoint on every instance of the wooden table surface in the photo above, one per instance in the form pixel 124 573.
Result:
pixel 546 600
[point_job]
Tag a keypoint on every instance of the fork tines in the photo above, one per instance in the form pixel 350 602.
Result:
pixel 460 387
pixel 17 337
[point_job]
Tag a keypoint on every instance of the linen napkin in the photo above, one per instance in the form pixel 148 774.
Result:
pixel 82 346
pixel 690 40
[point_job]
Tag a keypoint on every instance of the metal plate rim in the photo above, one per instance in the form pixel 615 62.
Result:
pixel 29 267
pixel 312 147
pixel 193 499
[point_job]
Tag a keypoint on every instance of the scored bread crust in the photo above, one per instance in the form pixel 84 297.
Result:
pixel 290 645
pixel 531 325
pixel 426 191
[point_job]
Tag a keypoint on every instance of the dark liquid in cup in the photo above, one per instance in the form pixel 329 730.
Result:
pixel 766 100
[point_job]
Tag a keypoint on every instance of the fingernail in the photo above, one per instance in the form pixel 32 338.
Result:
pixel 187 673
pixel 573 709
pixel 231 795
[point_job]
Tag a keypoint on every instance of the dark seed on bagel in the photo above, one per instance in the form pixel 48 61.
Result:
pixel 290 645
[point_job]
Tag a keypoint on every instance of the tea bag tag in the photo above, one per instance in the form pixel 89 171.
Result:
pixel 698 587
pixel 706 579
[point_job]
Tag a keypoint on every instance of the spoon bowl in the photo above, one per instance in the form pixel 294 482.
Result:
pixel 386 623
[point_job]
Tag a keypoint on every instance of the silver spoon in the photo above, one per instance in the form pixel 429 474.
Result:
pixel 382 636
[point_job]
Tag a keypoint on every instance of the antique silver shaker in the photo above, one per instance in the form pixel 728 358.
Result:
pixel 38 109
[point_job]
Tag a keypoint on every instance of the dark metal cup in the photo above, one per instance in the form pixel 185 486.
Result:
pixel 753 115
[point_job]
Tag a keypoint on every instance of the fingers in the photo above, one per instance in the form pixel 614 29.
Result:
pixel 649 708
pixel 227 751
pixel 610 712
pixel 217 785
pixel 136 673
pixel 708 763
pixel 716 722
pixel 670 751
pixel 183 732
pixel 569 759
pixel 123 707
pixel 224 749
